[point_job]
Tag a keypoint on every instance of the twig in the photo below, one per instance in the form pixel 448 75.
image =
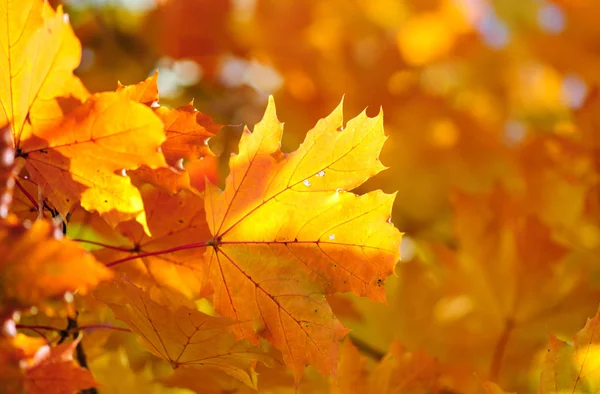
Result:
pixel 501 349
pixel 367 349
pixel 72 330
pixel 39 204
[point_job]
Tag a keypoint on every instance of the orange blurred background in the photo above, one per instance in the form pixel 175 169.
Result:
pixel 491 108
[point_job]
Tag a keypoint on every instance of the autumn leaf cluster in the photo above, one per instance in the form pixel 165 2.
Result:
pixel 107 170
pixel 145 247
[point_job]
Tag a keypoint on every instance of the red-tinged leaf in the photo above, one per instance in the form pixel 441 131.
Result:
pixel 57 373
pixel 35 266
pixel 201 170
pixel 189 338
pixel 286 233
pixel 168 266
pixel 168 179
pixel 16 353
pixel 30 365
pixel 188 132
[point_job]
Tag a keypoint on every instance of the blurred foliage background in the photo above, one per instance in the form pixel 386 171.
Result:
pixel 491 108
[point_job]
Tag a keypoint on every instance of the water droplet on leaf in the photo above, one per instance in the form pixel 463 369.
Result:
pixel 69 297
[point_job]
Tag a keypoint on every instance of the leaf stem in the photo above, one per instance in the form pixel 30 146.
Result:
pixel 121 248
pixel 48 328
pixel 159 252
pixel 103 326
pixel 500 349
pixel 26 193
pixel 40 333
pixel 72 329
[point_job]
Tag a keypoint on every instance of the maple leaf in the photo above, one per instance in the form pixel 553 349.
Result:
pixel 286 234
pixel 145 92
pixel 83 155
pixel 30 365
pixel 399 371
pixel 573 368
pixel 187 134
pixel 167 267
pixel 406 372
pixel 206 381
pixel 351 372
pixel 57 373
pixel 189 338
pixel 39 53
pixel 36 266
pixel 72 150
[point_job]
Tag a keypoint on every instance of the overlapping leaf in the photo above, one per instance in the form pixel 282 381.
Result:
pixel 168 268
pixel 286 233
pixel 187 134
pixel 573 367
pixel 31 366
pixel 189 338
pixel 38 56
pixel 85 153
pixel 57 372
pixel 36 266
pixel 72 150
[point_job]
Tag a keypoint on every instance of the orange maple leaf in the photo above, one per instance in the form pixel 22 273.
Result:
pixel 187 134
pixel 145 92
pixel 406 372
pixel 36 266
pixel 73 151
pixel 400 371
pixel 84 154
pixel 31 366
pixel 166 264
pixel 189 338
pixel 286 233
pixel 56 372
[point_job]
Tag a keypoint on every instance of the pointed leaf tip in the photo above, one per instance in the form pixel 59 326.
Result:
pixel 270 111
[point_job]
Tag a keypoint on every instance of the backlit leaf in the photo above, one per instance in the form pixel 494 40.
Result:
pixel 189 338
pixel 83 156
pixel 36 266
pixel 39 53
pixel 573 367
pixel 286 233
pixel 176 222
